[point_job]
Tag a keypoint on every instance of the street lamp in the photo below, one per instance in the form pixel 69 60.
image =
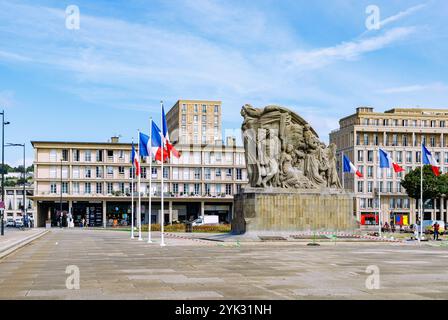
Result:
pixel 3 170
pixel 24 173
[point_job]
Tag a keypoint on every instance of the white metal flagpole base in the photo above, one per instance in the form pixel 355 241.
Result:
pixel 163 244
pixel 150 241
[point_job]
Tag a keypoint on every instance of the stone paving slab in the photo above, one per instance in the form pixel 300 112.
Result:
pixel 15 238
pixel 112 266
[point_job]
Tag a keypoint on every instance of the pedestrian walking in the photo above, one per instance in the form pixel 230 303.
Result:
pixel 436 231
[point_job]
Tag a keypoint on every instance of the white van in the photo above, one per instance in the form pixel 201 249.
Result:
pixel 206 221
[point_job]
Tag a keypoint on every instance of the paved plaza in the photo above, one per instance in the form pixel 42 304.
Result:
pixel 114 267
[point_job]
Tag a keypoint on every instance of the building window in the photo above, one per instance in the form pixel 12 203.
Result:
pixel 64 187
pixel 366 139
pixel 405 140
pixel 166 173
pixel 239 174
pixel 228 189
pixel 88 172
pixel 121 170
pixel 216 108
pixel 409 156
pixel 99 155
pixel 53 172
pixel 389 173
pixel 204 108
pixel 186 188
pixel 110 154
pixel 229 172
pixel 99 172
pixel 64 155
pixel 370 156
pixel 99 188
pixel 87 188
pixel 87 156
pixel 369 186
pixel 76 155
pixel 184 107
pixel 417 156
pixel 196 108
pixel 207 189
pixel 375 139
pixel 399 156
pixel 207 174
pixel 432 140
pixel 110 171
pixel 218 173
pixel 53 188
pixel 360 155
pixel 154 172
pixel 197 173
pixel 197 188
pixel 110 187
pixel 370 171
pixel 76 187
pixel 175 188
pixel 53 156
pixel 218 189
pixel 360 186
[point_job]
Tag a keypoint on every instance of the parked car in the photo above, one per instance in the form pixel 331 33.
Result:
pixel 10 222
pixel 18 222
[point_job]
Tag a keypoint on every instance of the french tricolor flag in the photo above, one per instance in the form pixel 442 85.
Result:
pixel 152 147
pixel 428 158
pixel 350 167
pixel 135 161
pixel 386 161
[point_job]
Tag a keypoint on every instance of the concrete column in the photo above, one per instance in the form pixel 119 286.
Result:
pixel 442 209
pixel 202 209
pixel 104 214
pixel 434 212
pixel 49 214
pixel 170 204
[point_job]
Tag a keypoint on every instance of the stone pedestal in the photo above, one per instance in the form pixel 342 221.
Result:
pixel 287 210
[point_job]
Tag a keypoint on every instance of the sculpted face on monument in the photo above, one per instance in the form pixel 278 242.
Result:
pixel 283 151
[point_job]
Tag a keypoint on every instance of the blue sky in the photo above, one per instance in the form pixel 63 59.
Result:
pixel 316 57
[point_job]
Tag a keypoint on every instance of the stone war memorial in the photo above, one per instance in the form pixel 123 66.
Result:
pixel 293 181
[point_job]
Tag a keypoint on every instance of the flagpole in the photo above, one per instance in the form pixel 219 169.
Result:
pixel 139 209
pixel 132 194
pixel 162 220
pixel 343 173
pixel 150 178
pixel 379 192
pixel 421 194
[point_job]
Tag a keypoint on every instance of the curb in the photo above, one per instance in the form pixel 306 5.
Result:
pixel 19 244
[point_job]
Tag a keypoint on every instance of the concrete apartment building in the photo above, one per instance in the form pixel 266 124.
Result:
pixel 195 122
pixel 14 202
pixel 400 132
pixel 92 180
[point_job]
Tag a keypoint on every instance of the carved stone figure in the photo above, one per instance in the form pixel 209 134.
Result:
pixel 283 151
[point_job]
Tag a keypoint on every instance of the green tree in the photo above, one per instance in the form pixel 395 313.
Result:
pixel 433 186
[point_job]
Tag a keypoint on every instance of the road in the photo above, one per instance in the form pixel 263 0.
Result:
pixel 111 266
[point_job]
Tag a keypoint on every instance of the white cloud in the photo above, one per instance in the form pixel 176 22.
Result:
pixel 347 50
pixel 415 88
pixel 402 14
